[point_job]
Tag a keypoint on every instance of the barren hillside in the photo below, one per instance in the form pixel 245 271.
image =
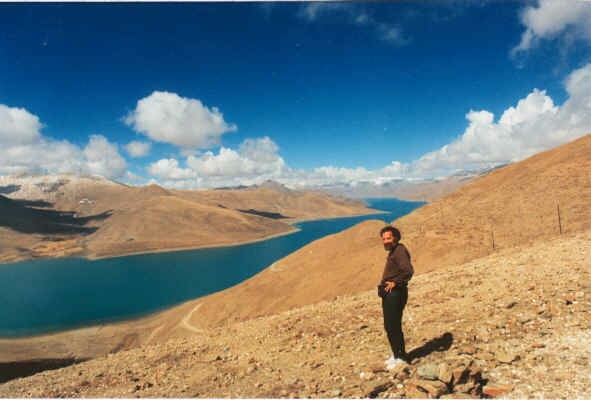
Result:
pixel 53 216
pixel 514 205
pixel 496 326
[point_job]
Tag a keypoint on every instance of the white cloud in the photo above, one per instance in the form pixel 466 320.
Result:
pixel 535 124
pixel 24 149
pixel 255 161
pixel 102 158
pixel 356 16
pixel 18 126
pixel 138 149
pixel 168 168
pixel 167 117
pixel 254 158
pixel 551 18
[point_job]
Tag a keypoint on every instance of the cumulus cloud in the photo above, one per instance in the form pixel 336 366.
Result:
pixel 356 16
pixel 551 18
pixel 168 117
pixel 138 149
pixel 24 149
pixel 102 157
pixel 255 160
pixel 533 125
pixel 18 126
pixel 255 157
pixel 168 168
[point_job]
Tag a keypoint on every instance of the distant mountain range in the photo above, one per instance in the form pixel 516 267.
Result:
pixel 65 215
pixel 407 189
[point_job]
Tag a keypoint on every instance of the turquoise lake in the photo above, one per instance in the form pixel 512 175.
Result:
pixel 51 295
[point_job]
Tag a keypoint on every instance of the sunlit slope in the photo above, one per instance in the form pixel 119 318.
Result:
pixel 113 219
pixel 169 222
pixel 534 199
pixel 514 205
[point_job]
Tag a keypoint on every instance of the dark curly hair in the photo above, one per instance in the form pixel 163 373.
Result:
pixel 390 228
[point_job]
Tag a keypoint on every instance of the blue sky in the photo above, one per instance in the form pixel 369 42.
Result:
pixel 197 95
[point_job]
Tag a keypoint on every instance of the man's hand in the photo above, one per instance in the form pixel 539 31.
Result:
pixel 390 286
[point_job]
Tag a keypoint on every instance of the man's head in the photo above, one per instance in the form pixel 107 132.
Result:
pixel 390 236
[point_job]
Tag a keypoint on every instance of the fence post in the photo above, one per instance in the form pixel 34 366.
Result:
pixel 559 220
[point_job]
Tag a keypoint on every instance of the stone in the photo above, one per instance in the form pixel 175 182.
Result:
pixel 433 388
pixel 506 357
pixel 465 387
pixel 496 389
pixel 444 374
pixel 511 304
pixel 467 349
pixel 428 371
pixel 485 355
pixel 413 390
pixel 460 374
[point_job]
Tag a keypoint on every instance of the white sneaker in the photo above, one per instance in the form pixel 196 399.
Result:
pixel 393 364
pixel 390 360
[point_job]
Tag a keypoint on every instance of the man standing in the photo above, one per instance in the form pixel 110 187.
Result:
pixel 394 292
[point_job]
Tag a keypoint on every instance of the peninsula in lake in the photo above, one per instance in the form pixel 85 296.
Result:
pixel 68 215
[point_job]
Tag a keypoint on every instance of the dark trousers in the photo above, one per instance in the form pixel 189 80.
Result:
pixel 393 306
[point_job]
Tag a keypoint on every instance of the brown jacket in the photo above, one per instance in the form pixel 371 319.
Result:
pixel 398 267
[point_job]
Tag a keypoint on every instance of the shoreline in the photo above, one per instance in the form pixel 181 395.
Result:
pixel 140 316
pixel 293 229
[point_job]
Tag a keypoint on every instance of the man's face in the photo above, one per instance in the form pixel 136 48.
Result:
pixel 388 240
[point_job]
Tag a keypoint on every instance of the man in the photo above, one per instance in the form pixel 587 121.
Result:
pixel 394 292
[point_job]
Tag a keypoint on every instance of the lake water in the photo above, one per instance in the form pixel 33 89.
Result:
pixel 50 295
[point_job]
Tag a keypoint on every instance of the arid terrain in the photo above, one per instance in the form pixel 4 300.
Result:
pixel 500 301
pixel 56 216
pixel 495 326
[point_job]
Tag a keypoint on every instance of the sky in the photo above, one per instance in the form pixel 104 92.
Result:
pixel 202 95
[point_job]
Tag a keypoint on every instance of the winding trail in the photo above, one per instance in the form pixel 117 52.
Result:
pixel 185 321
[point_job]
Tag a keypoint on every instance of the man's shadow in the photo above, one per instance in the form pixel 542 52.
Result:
pixel 441 343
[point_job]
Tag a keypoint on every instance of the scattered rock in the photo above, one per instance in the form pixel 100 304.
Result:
pixel 433 388
pixel 506 357
pixel 496 390
pixel 428 371
pixel 445 374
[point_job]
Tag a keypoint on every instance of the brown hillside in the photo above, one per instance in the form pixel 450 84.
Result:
pixel 493 327
pixel 515 205
pixel 100 218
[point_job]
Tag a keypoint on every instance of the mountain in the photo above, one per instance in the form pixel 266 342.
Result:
pixel 412 190
pixel 61 215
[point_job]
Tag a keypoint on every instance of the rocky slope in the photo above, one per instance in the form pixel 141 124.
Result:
pixel 515 324
pixel 54 216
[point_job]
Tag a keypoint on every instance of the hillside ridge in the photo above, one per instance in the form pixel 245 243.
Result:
pixel 107 219
pixel 495 326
